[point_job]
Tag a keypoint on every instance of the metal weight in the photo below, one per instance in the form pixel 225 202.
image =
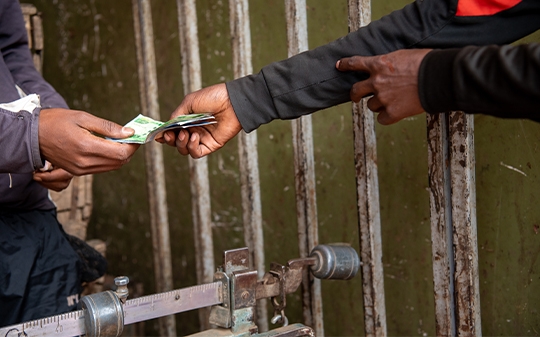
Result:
pixel 336 261
pixel 104 315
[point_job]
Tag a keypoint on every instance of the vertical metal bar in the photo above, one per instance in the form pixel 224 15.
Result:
pixel 365 156
pixel 154 157
pixel 441 224
pixel 200 185
pixel 453 224
pixel 247 149
pixel 304 167
pixel 462 161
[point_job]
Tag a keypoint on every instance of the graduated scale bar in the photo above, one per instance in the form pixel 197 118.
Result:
pixel 135 310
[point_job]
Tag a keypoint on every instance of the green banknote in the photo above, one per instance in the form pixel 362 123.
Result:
pixel 148 129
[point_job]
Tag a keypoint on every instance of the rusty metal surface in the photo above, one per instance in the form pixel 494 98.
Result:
pixel 462 175
pixel 304 168
pixel 453 224
pixel 236 259
pixel 441 224
pixel 244 289
pixel 199 182
pixel 365 153
pixel 155 171
pixel 247 149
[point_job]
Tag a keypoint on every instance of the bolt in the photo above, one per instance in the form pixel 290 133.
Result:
pixel 121 288
pixel 121 281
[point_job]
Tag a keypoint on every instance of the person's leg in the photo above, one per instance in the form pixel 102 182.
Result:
pixel 39 270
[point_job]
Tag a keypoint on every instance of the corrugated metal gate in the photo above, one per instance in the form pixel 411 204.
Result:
pixel 451 177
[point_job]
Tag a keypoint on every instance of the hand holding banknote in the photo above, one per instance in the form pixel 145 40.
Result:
pixel 73 140
pixel 203 140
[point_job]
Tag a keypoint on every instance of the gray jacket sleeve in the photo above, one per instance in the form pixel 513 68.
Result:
pixel 19 146
pixel 309 81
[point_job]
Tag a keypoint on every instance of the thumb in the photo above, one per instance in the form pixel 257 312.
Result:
pixel 127 132
pixel 106 128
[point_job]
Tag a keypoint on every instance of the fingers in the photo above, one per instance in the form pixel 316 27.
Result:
pixel 106 156
pixel 358 63
pixel 375 105
pixel 362 89
pixel 191 145
pixel 194 146
pixel 169 137
pixel 355 63
pixel 385 118
pixel 181 142
pixel 54 175
pixel 57 179
pixel 105 127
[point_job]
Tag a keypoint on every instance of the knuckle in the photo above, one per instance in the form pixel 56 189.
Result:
pixel 108 125
pixel 377 81
pixel 124 156
pixel 351 61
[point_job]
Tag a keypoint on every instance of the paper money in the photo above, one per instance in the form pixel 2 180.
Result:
pixel 148 129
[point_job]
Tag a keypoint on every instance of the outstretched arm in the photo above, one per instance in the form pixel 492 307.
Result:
pixel 499 81
pixel 310 81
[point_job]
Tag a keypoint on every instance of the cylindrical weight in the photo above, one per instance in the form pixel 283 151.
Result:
pixel 335 261
pixel 104 315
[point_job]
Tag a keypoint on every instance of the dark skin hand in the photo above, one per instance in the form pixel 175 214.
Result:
pixel 392 82
pixel 67 139
pixel 56 179
pixel 201 141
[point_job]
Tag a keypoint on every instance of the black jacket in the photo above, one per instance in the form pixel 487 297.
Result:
pixel 309 81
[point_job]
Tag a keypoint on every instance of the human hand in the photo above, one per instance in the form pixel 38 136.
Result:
pixel 393 82
pixel 68 139
pixel 56 179
pixel 202 140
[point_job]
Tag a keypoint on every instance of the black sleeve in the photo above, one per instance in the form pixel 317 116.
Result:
pixel 309 81
pixel 500 81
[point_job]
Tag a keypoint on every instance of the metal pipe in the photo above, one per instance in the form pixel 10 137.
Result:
pixel 462 162
pixel 304 167
pixel 365 156
pixel 155 171
pixel 200 185
pixel 441 224
pixel 247 149
pixel 453 224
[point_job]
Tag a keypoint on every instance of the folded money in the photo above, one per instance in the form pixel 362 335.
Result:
pixel 148 129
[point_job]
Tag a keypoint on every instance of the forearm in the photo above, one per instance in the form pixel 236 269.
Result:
pixel 309 81
pixel 500 81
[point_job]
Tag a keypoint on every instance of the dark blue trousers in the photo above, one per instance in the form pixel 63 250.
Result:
pixel 39 269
